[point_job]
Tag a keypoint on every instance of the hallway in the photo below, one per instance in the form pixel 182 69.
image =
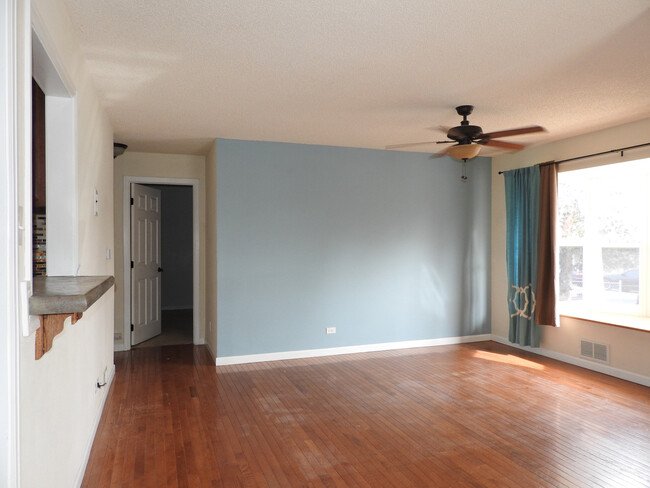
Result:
pixel 176 328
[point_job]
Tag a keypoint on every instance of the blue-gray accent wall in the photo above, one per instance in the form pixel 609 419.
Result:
pixel 386 246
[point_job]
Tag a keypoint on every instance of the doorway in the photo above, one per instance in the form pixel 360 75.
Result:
pixel 179 261
pixel 176 305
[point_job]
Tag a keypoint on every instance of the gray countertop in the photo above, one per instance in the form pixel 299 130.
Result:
pixel 67 294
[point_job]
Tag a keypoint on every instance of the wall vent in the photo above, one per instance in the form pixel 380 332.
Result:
pixel 594 350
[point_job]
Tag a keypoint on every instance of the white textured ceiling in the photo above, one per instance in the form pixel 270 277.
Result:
pixel 175 74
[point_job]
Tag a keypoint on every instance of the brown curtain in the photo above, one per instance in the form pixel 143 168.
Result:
pixel 546 312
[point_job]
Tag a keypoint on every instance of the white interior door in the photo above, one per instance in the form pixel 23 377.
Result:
pixel 145 263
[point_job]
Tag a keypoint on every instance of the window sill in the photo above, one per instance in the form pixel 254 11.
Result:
pixel 617 320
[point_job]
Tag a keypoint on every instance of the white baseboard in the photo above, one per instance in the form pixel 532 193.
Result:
pixel 334 351
pixel 583 363
pixel 98 416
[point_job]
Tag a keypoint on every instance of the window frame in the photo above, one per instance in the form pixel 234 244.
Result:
pixel 640 319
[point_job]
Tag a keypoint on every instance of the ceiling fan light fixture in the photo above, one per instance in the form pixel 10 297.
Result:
pixel 118 149
pixel 464 151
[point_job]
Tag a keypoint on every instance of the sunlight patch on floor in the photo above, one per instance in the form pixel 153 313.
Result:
pixel 508 359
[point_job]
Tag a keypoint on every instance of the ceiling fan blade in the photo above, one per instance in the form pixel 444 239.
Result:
pixel 409 144
pixel 512 132
pixel 441 153
pixel 502 144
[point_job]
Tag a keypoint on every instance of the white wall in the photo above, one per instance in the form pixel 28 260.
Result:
pixel 60 148
pixel 60 405
pixel 628 348
pixel 211 243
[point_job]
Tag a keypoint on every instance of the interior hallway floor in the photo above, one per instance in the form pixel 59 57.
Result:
pixel 176 329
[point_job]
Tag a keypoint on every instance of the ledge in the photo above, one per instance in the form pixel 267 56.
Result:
pixel 575 310
pixel 67 294
pixel 55 298
pixel 624 321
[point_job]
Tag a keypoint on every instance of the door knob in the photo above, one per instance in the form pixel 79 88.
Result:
pixel 159 269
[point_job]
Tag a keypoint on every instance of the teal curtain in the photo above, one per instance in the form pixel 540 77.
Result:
pixel 522 215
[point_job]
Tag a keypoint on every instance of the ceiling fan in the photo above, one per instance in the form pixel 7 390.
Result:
pixel 468 138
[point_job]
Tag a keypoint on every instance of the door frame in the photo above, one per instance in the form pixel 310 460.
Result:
pixel 126 233
pixel 12 292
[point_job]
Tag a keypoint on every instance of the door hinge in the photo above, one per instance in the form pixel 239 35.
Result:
pixel 131 264
pixel 131 200
pixel 131 327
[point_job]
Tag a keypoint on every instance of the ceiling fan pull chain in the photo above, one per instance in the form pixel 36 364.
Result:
pixel 463 175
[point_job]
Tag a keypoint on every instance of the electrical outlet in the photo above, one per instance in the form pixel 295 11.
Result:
pixel 330 330
pixel 118 337
pixel 101 380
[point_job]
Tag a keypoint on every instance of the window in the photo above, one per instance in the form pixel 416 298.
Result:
pixel 603 233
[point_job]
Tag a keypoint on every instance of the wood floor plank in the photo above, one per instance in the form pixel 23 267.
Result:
pixel 480 414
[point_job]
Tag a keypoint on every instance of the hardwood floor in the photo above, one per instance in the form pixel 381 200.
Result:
pixel 470 415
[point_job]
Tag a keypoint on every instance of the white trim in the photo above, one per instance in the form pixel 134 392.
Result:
pixel 24 144
pixel 334 351
pixel 583 363
pixel 196 248
pixel 9 265
pixel 196 254
pixel 98 416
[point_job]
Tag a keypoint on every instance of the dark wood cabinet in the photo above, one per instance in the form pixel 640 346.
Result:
pixel 38 148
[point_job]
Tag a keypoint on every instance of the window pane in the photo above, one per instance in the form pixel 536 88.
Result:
pixel 570 273
pixel 616 206
pixel 621 278
pixel 571 200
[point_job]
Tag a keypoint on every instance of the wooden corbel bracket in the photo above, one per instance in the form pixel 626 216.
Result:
pixel 51 325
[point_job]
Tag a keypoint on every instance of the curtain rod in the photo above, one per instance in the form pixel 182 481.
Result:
pixel 546 163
